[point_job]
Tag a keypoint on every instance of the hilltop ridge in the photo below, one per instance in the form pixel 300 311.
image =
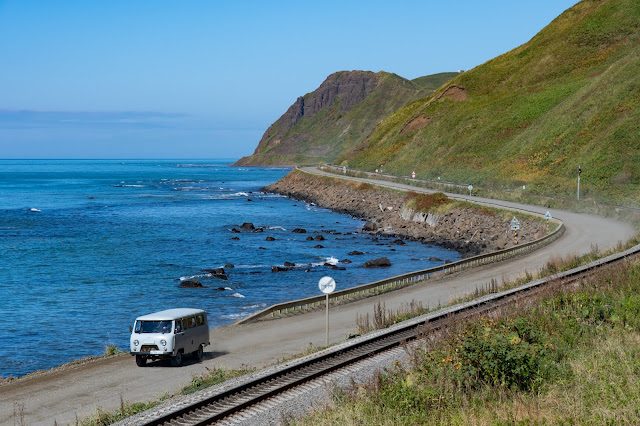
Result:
pixel 569 97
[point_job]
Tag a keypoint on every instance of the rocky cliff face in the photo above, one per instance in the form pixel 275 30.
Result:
pixel 347 88
pixel 323 124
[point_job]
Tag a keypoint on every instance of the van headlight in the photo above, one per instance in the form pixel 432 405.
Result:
pixel 164 342
pixel 135 343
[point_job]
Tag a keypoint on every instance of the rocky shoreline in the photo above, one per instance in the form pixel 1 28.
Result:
pixel 465 228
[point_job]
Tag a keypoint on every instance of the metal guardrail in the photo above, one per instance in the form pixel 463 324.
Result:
pixel 399 281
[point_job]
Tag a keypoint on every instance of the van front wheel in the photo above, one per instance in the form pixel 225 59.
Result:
pixel 198 354
pixel 141 361
pixel 176 361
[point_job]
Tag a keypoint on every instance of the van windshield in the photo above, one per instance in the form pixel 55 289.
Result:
pixel 153 327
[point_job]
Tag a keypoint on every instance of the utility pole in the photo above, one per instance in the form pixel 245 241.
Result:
pixel 579 172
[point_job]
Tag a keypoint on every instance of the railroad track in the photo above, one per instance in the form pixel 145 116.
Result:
pixel 222 405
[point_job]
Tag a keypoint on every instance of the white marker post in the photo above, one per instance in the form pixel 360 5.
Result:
pixel 327 285
pixel 470 188
pixel 547 216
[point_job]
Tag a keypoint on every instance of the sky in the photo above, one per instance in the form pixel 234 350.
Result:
pixel 205 79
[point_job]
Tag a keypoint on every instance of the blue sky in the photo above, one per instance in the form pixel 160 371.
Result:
pixel 204 79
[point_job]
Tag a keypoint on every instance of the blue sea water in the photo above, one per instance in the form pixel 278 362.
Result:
pixel 88 245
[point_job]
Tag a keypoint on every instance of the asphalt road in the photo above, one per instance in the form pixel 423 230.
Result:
pixel 77 391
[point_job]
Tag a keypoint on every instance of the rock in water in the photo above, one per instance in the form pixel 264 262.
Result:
pixel 355 253
pixel 278 269
pixel 289 264
pixel 247 226
pixel 190 284
pixel 377 263
pixel 319 238
pixel 299 231
pixel 270 239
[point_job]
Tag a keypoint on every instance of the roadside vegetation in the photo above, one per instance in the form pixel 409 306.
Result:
pixel 571 357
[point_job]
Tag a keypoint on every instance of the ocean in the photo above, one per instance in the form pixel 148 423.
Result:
pixel 86 246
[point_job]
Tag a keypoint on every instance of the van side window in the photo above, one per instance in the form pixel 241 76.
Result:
pixel 192 322
pixel 199 320
pixel 178 327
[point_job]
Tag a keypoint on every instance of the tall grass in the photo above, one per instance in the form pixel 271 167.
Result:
pixel 569 357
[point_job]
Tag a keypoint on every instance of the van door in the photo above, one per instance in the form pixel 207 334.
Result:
pixel 180 336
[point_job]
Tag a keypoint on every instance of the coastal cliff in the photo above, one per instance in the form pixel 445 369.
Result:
pixel 463 227
pixel 333 119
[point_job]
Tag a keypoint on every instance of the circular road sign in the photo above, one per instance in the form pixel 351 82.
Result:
pixel 327 285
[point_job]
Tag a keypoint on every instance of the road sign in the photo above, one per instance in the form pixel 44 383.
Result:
pixel 515 224
pixel 547 215
pixel 470 188
pixel 327 285
pixel 413 175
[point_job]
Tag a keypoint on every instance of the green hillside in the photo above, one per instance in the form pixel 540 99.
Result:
pixel 336 117
pixel 568 97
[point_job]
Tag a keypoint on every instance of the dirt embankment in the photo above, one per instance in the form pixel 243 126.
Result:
pixel 467 229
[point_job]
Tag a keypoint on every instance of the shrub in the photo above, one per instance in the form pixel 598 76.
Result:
pixel 508 353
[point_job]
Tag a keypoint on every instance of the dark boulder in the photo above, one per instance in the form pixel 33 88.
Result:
pixel 355 253
pixel 435 259
pixel 377 263
pixel 247 226
pixel 217 273
pixel 235 231
pixel 221 289
pixel 309 238
pixel 345 261
pixel 318 246
pixel 278 269
pixel 235 238
pixel 190 284
pixel 299 231
pixel 399 242
pixel 289 264
pixel 318 238
pixel 229 266
pixel 270 239
pixel 259 230
pixel 370 227
pixel 337 268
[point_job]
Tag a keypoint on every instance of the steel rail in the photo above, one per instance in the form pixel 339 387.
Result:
pixel 210 409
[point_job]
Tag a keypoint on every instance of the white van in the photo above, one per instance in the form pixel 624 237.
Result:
pixel 169 334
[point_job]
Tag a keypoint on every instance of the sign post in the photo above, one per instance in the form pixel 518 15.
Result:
pixel 515 225
pixel 344 170
pixel 327 285
pixel 579 173
pixel 470 188
pixel 413 174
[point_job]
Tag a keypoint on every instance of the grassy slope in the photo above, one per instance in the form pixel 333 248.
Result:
pixel 572 358
pixel 330 133
pixel 569 96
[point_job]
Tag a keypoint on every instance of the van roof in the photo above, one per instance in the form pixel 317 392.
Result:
pixel 170 314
